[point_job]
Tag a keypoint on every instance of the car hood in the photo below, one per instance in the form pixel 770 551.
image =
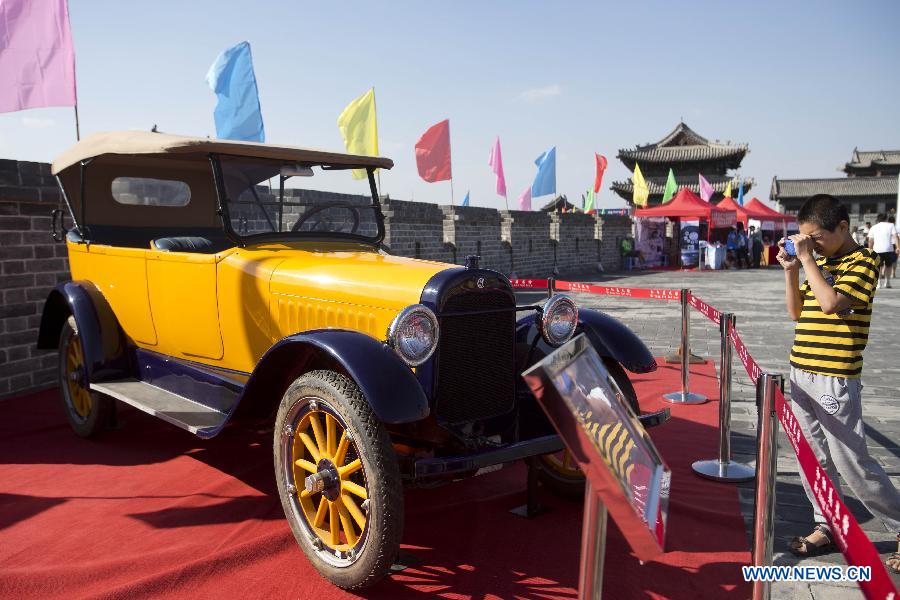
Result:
pixel 362 278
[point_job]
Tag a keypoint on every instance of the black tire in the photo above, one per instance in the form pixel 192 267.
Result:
pixel 554 470
pixel 366 551
pixel 87 412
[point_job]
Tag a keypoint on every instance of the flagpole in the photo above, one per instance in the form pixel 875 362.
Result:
pixel 450 142
pixel 377 171
pixel 77 127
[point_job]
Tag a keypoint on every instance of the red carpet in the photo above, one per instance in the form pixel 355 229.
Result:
pixel 150 511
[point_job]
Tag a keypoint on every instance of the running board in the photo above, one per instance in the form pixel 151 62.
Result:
pixel 177 410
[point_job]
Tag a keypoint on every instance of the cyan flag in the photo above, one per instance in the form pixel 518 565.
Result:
pixel 545 180
pixel 741 193
pixel 466 199
pixel 238 116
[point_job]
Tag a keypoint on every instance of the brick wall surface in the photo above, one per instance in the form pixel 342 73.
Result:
pixel 415 229
pixel 473 230
pixel 31 263
pixel 516 243
pixel 575 241
pixel 527 235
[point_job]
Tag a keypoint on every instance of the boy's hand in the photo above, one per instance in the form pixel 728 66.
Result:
pixel 804 245
pixel 788 262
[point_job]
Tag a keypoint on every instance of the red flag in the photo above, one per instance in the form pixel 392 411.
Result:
pixel 601 167
pixel 433 153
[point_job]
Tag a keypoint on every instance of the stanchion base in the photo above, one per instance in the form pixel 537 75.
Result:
pixel 685 398
pixel 724 471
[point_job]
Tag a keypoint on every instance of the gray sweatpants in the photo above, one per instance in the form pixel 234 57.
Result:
pixel 829 410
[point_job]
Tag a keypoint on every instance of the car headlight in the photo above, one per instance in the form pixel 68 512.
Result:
pixel 413 334
pixel 558 320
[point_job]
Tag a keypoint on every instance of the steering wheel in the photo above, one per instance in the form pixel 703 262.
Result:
pixel 354 211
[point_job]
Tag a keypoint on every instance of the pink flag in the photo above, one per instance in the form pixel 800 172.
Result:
pixel 37 60
pixel 706 190
pixel 496 164
pixel 433 153
pixel 525 199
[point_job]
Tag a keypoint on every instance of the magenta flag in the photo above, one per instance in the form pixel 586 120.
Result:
pixel 433 153
pixel 525 199
pixel 496 164
pixel 706 190
pixel 37 59
pixel 601 168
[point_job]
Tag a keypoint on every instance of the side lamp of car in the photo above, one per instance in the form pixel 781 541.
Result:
pixel 558 319
pixel 413 334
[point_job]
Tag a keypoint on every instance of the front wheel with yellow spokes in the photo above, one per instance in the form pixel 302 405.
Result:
pixel 338 479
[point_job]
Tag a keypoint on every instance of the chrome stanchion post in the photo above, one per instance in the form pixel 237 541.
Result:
pixel 684 396
pixel 593 546
pixel 766 469
pixel 724 469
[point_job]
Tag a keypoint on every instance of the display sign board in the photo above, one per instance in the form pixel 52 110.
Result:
pixel 604 436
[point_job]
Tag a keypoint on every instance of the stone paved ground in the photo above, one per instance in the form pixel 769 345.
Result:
pixel 756 297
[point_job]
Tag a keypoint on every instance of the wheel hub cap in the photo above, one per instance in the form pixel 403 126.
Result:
pixel 326 480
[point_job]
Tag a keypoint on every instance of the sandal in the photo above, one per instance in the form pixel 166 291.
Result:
pixel 893 563
pixel 801 546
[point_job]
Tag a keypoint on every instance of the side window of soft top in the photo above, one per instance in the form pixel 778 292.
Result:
pixel 145 191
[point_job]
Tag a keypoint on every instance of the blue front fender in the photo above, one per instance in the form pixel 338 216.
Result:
pixel 388 384
pixel 609 337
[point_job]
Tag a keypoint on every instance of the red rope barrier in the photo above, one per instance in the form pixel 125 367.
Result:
pixel 749 363
pixel 604 290
pixel 705 309
pixel 853 543
pixel 529 284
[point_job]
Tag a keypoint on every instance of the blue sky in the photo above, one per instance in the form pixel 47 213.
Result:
pixel 801 82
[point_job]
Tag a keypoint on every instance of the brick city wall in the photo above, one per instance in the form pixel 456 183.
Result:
pixel 31 263
pixel 516 243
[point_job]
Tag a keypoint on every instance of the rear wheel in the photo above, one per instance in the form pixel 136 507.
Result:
pixel 559 471
pixel 338 479
pixel 88 412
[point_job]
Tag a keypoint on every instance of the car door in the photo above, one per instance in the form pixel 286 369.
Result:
pixel 182 288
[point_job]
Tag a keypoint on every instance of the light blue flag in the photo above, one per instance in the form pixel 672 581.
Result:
pixel 238 116
pixel 466 199
pixel 741 193
pixel 545 180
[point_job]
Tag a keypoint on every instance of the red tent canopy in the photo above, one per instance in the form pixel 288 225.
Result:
pixel 688 205
pixel 743 215
pixel 758 210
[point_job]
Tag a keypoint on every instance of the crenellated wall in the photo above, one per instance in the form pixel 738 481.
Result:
pixel 516 243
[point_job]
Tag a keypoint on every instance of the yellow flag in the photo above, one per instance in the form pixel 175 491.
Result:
pixel 641 191
pixel 728 190
pixel 359 128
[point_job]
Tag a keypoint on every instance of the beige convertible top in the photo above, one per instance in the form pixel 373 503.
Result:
pixel 148 142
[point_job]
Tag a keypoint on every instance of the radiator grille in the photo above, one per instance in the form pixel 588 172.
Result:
pixel 475 369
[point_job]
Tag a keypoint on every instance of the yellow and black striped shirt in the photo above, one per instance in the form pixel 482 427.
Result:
pixel 833 344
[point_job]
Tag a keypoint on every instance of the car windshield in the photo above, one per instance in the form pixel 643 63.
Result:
pixel 274 199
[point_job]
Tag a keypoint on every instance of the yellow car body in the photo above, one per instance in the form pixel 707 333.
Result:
pixel 243 300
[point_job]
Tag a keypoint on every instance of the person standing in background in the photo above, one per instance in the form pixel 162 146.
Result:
pixel 756 246
pixel 884 242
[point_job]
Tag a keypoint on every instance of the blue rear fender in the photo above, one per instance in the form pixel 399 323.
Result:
pixel 610 339
pixel 103 342
pixel 388 384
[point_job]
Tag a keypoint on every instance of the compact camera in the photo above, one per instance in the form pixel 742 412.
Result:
pixel 789 248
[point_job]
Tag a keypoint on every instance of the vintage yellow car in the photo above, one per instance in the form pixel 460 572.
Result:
pixel 222 283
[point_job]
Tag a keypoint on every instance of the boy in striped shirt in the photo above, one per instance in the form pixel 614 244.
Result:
pixel 833 308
